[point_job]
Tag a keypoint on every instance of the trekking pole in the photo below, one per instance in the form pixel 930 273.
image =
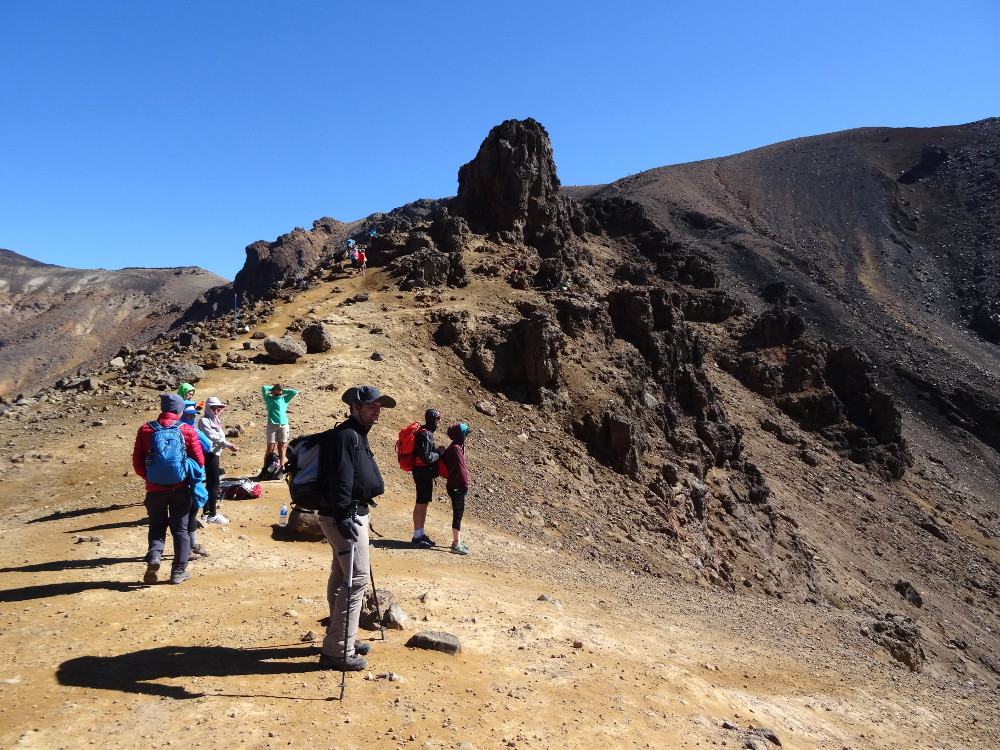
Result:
pixel 378 613
pixel 347 617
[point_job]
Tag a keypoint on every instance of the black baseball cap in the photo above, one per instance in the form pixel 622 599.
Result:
pixel 367 394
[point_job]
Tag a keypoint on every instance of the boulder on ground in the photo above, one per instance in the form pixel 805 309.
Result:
pixel 285 350
pixel 317 337
pixel 435 641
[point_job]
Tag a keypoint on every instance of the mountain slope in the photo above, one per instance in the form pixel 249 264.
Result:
pixel 57 320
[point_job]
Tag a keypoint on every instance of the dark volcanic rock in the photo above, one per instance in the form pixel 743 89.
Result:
pixel 511 188
pixel 317 337
pixel 285 349
pixel 435 641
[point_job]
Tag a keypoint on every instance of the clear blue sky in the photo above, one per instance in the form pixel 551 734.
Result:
pixel 176 132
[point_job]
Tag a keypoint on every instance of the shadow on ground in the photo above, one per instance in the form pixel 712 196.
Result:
pixel 140 671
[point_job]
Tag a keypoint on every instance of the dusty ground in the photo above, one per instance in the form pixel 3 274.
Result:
pixel 609 659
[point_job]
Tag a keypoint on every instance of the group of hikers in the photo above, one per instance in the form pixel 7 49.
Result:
pixel 178 457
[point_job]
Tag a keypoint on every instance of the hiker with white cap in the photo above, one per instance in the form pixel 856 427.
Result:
pixel 211 426
pixel 349 481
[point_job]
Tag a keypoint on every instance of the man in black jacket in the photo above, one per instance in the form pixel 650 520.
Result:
pixel 350 478
pixel 425 458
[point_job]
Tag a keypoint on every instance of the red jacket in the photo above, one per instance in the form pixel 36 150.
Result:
pixel 145 435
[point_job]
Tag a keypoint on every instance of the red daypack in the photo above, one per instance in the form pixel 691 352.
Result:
pixel 404 446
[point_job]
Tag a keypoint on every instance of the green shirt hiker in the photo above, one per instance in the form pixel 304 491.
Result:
pixel 276 400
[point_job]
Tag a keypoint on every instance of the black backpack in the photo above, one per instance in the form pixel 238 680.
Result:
pixel 302 467
pixel 272 467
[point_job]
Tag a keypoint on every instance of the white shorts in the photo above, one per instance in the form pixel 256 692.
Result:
pixel 277 433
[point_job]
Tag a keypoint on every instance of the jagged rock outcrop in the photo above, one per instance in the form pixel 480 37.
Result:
pixel 519 354
pixel 511 189
pixel 826 389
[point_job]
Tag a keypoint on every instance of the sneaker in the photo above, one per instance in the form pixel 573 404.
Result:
pixel 217 518
pixel 152 567
pixel 422 541
pixel 352 664
pixel 362 648
pixel 198 551
pixel 179 576
pixel 460 549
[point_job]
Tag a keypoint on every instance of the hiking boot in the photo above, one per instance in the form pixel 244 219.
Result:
pixel 198 551
pixel 362 649
pixel 422 541
pixel 152 568
pixel 353 663
pixel 460 549
pixel 179 576
pixel 217 518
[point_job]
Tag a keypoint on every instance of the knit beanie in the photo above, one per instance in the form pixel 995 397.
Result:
pixel 171 403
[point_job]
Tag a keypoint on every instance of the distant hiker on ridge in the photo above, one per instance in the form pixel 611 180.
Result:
pixel 160 457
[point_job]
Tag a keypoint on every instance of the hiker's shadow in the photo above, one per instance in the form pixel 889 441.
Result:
pixel 139 672
pixel 403 544
pixel 118 525
pixel 55 566
pixel 58 514
pixel 49 590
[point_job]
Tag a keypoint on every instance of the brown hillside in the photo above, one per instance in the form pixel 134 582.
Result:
pixel 58 321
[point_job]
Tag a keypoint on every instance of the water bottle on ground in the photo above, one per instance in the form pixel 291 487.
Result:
pixel 283 515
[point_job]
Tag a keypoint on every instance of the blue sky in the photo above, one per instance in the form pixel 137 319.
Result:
pixel 176 132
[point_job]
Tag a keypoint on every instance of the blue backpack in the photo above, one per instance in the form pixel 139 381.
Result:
pixel 166 461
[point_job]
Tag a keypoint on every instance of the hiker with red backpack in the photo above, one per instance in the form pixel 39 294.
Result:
pixel 452 466
pixel 425 458
pixel 160 456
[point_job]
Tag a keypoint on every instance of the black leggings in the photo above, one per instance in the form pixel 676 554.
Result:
pixel 212 480
pixel 457 507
